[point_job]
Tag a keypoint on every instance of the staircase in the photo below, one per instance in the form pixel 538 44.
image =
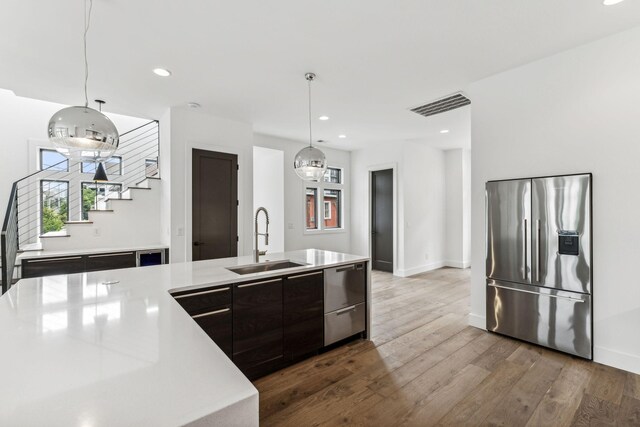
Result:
pixel 60 208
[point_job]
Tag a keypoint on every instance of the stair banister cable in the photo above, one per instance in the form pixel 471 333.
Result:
pixel 23 217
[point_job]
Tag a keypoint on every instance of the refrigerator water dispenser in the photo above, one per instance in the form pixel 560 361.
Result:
pixel 568 243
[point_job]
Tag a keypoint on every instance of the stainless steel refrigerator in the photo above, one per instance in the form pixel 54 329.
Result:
pixel 538 263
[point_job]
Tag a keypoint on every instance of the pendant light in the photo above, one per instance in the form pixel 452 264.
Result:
pixel 82 133
pixel 310 163
pixel 101 174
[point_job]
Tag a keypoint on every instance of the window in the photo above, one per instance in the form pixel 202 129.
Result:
pixel 52 160
pixel 96 194
pixel 311 208
pixel 325 197
pixel 150 167
pixel 54 205
pixel 333 175
pixel 113 166
pixel 332 205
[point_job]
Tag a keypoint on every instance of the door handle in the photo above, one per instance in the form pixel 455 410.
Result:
pixel 524 251
pixel 537 250
pixel 535 293
pixel 198 243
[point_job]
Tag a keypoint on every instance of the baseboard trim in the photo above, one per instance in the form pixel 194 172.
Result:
pixel 458 264
pixel 477 321
pixel 421 269
pixel 617 359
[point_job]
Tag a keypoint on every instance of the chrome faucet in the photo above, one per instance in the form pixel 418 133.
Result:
pixel 256 251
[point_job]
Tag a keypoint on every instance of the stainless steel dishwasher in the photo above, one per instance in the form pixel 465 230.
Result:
pixel 344 302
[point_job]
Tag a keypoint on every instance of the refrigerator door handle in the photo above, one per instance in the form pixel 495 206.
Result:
pixel 524 251
pixel 493 285
pixel 537 250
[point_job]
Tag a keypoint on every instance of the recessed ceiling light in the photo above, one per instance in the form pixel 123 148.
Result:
pixel 323 118
pixel 162 72
pixel 611 2
pixel 193 105
pixel 444 131
pixel 342 136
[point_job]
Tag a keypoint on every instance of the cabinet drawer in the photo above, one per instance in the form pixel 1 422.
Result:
pixel 200 301
pixel 52 266
pixel 344 323
pixel 344 286
pixel 110 261
pixel 217 324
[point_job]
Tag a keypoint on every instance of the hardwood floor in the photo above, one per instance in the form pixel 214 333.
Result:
pixel 425 366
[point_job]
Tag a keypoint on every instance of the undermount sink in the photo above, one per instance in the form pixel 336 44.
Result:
pixel 264 266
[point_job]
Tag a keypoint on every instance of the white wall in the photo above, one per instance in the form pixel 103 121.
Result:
pixel 420 194
pixel 189 129
pixel 25 119
pixel 458 208
pixel 466 208
pixel 573 112
pixel 268 192
pixel 453 190
pixel 294 198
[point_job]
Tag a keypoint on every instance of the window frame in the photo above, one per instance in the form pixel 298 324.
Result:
pixel 320 187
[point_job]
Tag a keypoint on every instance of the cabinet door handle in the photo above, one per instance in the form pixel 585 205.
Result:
pixel 211 313
pixel 248 285
pixel 212 291
pixel 108 255
pixel 69 258
pixel 345 310
pixel 348 268
pixel 305 275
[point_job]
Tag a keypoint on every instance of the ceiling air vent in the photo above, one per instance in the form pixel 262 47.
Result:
pixel 441 105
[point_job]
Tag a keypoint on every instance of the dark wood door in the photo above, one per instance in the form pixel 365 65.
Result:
pixel 303 301
pixel 382 220
pixel 215 205
pixel 257 327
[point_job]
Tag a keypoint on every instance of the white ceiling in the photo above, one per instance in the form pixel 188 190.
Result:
pixel 245 60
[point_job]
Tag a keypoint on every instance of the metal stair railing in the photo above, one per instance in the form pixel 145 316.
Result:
pixel 22 226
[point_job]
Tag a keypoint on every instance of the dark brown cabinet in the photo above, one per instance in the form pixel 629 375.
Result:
pixel 111 261
pixel 217 324
pixel 211 310
pixel 39 267
pixel 303 314
pixel 257 327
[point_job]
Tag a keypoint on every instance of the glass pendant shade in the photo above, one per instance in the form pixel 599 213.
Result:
pixel 310 164
pixel 82 133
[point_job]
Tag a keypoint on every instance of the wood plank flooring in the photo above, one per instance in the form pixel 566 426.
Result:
pixel 424 366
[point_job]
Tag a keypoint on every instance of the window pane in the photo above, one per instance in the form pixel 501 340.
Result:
pixel 94 196
pixel 113 166
pixel 151 167
pixel 333 175
pixel 88 167
pixel 54 205
pixel 51 159
pixel 311 207
pixel 332 208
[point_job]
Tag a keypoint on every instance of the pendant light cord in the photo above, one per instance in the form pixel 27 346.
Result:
pixel 310 133
pixel 87 23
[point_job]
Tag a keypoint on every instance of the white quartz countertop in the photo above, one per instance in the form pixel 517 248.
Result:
pixel 78 352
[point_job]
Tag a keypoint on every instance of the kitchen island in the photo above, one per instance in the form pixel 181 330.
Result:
pixel 115 348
